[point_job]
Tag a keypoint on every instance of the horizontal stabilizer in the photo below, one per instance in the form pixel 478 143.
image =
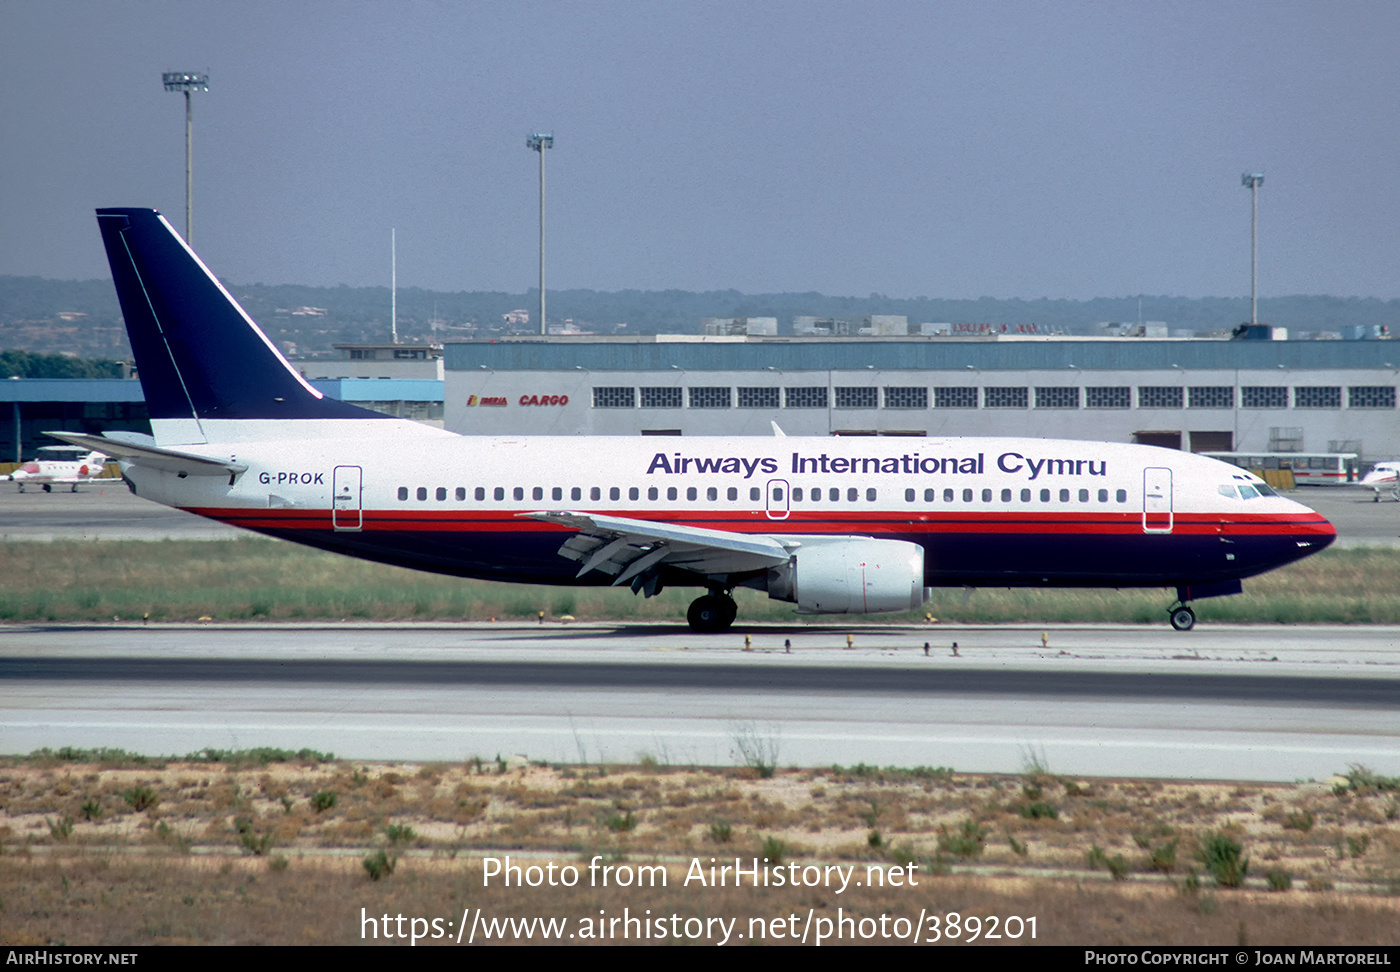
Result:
pixel 168 460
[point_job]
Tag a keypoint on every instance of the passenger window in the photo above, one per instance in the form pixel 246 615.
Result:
pixel 690 493
pixel 1025 496
pixel 500 493
pixel 834 494
pixel 403 492
pixel 1045 495
pixel 1083 496
pixel 947 496
pixel 537 493
pixel 441 493
pixel 967 496
pixel 1103 496
pixel 595 493
pixel 929 495
pixel 633 493
pixel 733 493
pixel 670 492
pixel 797 494
pixel 1006 496
pixel 712 494
pixel 777 493
pixel 1122 496
pixel 852 495
pixel 755 494
pixel 908 496
pixel 422 492
pixel 1064 496
pixel 461 493
pixel 870 494
pixel 480 493
pixel 520 492
pixel 986 496
pixel 557 493
pixel 575 493
pixel 614 493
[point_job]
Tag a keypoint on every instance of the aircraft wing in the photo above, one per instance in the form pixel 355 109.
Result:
pixel 626 547
pixel 151 455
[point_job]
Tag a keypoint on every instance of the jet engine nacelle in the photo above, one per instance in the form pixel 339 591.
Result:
pixel 851 576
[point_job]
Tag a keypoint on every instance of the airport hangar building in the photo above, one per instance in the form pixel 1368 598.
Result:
pixel 1195 394
pixel 1201 395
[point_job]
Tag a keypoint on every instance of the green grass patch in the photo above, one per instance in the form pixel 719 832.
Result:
pixel 254 578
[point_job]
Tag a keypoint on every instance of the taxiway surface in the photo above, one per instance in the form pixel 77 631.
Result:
pixel 1262 703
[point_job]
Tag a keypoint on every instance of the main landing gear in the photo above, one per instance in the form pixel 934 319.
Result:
pixel 1182 617
pixel 712 613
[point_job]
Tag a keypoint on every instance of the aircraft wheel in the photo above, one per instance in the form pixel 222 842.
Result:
pixel 731 610
pixel 1183 618
pixel 48 488
pixel 710 614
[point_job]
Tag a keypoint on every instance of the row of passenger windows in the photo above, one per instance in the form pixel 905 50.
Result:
pixel 1055 396
pixel 1027 495
pixel 813 494
pixel 614 493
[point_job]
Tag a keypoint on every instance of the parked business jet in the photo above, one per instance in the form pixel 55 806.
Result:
pixel 838 526
pixel 64 465
pixel 1384 477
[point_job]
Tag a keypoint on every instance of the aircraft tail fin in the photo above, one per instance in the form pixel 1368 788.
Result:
pixel 199 355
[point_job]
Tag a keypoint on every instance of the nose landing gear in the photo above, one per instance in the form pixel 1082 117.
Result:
pixel 712 613
pixel 1182 617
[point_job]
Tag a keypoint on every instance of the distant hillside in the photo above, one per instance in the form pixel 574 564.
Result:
pixel 82 317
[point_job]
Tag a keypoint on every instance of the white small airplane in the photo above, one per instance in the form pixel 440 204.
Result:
pixel 1384 477
pixel 65 465
pixel 832 525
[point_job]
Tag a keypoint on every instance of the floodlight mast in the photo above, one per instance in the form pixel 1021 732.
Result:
pixel 188 82
pixel 1252 181
pixel 538 142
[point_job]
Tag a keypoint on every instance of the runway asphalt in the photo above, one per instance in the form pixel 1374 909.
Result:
pixel 1221 702
pixel 1263 703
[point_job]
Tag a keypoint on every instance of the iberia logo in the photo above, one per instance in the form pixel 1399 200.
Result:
pixel 486 400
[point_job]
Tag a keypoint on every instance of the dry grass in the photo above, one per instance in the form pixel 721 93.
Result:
pixel 240 852
pixel 257 578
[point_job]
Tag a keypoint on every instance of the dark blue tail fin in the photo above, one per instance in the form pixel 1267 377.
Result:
pixel 200 356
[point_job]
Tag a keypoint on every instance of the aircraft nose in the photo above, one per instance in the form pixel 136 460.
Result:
pixel 1310 529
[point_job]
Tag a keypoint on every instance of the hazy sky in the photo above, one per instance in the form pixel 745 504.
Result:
pixel 945 149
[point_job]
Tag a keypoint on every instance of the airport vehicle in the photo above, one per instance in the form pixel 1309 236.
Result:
pixel 1384 477
pixel 1309 468
pixel 838 526
pixel 65 465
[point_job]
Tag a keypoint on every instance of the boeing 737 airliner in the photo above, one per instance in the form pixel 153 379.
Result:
pixel 837 526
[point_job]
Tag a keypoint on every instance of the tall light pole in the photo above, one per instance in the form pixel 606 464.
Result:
pixel 1252 181
pixel 538 143
pixel 188 82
